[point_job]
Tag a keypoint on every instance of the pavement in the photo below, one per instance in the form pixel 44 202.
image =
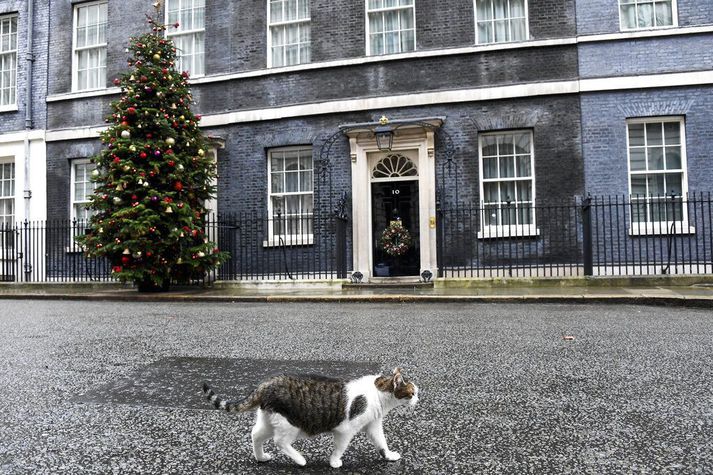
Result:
pixel 692 291
pixel 114 387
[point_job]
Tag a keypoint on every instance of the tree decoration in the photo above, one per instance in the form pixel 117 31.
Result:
pixel 137 224
pixel 395 240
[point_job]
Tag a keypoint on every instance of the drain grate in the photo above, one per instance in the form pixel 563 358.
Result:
pixel 176 382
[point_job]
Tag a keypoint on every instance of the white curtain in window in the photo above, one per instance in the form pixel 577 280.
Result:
pixel 391 31
pixel 645 13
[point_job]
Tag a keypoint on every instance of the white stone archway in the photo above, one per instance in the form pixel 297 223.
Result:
pixel 416 141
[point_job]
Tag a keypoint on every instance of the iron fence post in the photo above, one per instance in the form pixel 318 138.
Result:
pixel 587 236
pixel 439 238
pixel 341 250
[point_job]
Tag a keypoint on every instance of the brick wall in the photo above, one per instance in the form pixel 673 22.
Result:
pixel 553 120
pixel 604 134
pixel 646 56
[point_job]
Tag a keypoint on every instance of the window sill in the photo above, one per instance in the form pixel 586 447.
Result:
pixel 501 232
pixel 289 241
pixel 651 28
pixel 104 91
pixel 74 250
pixel 10 108
pixel 661 229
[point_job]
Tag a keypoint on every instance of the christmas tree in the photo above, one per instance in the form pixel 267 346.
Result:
pixel 153 175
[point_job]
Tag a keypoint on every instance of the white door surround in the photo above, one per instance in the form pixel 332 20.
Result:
pixel 416 142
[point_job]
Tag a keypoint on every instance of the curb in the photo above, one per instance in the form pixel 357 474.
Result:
pixel 677 301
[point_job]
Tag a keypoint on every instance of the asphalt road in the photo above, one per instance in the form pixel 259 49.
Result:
pixel 114 387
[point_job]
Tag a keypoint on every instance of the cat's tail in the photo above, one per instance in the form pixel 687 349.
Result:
pixel 250 403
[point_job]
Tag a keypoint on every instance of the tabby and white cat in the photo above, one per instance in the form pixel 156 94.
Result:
pixel 295 407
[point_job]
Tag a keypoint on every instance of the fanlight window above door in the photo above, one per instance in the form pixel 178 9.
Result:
pixel 394 165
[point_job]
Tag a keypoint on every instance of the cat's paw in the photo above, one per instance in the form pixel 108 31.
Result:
pixel 264 458
pixel 392 456
pixel 335 463
pixel 300 460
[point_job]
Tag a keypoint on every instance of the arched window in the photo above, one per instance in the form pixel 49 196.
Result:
pixel 394 165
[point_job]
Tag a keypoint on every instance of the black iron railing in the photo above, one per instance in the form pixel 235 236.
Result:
pixel 284 247
pixel 600 236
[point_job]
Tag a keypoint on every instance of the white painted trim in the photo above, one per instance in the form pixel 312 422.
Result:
pixel 20 136
pixel 404 100
pixel 83 94
pixel 661 228
pixel 508 231
pixel 639 34
pixel 10 107
pixel 648 81
pixel 74 133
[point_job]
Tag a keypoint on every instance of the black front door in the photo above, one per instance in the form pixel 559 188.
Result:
pixel 391 201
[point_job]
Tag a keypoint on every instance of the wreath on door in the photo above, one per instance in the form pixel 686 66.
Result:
pixel 395 240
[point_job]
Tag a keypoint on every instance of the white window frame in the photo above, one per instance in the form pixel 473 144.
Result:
pixel 172 33
pixel 287 239
pixel 9 55
pixel 5 246
pixel 649 227
pixel 527 24
pixel 13 197
pixel 74 246
pixel 506 230
pixel 72 192
pixel 412 7
pixel 674 15
pixel 301 22
pixel 76 50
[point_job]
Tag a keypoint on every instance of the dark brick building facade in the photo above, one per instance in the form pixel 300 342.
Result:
pixel 562 90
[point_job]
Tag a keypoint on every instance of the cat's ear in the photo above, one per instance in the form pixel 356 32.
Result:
pixel 398 379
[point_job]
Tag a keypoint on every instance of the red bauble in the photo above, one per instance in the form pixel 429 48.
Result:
pixel 171 163
pixel 178 186
pixel 125 259
pixel 142 155
pixel 131 111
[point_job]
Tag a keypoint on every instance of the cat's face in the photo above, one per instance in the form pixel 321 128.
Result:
pixel 403 390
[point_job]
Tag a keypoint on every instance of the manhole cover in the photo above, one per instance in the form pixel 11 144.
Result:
pixel 176 382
